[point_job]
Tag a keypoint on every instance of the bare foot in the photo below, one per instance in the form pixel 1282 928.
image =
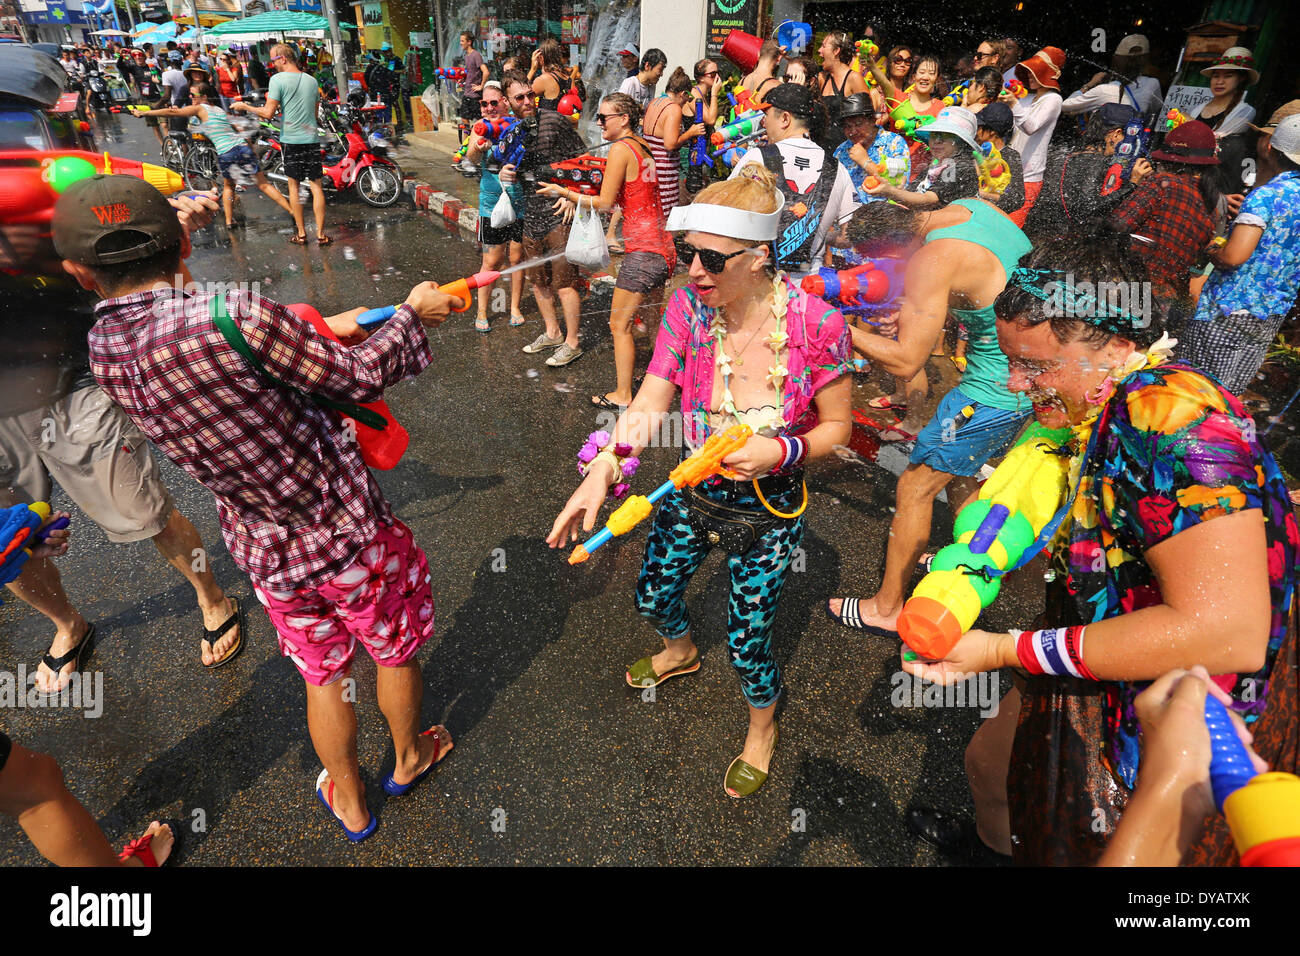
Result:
pixel 870 613
pixel 424 744
pixel 759 746
pixel 212 618
pixel 47 682
pixel 161 844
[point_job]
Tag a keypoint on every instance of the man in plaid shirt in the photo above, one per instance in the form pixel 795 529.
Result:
pixel 299 510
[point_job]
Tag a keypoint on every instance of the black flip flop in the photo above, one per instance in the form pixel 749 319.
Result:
pixel 600 401
pixel 214 635
pixel 79 655
pixel 849 617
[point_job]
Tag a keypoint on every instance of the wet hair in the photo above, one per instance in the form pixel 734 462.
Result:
pixel 627 106
pixel 989 80
pixel 511 77
pixel 679 82
pixel 769 50
pixel 752 188
pixel 1104 259
pixel 843 44
pixel 552 54
pixel 922 59
pixel 884 225
pixel 812 75
pixel 1096 130
pixel 652 58
pixel 120 276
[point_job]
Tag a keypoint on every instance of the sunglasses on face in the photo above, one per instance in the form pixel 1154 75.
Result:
pixel 710 73
pixel 902 59
pixel 601 117
pixel 712 260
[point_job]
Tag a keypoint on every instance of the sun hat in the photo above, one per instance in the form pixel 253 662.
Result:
pixel 1290 108
pixel 1235 58
pixel 1045 65
pixel 955 120
pixel 1286 138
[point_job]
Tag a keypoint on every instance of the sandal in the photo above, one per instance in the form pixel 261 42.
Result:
pixel 905 436
pixel 516 320
pixel 79 655
pixel 600 401
pixel 217 633
pixel 298 240
pixel 327 801
pixel 744 780
pixel 324 240
pixel 642 674
pixel 886 404
pixel 850 616
pixel 396 789
pixel 482 325
pixel 139 848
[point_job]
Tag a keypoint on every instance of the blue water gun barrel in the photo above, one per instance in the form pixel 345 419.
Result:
pixel 1230 764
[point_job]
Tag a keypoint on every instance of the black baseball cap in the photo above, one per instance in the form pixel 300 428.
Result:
pixel 997 117
pixel 794 98
pixel 101 206
pixel 1116 115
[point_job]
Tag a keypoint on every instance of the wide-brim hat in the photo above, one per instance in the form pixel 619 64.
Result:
pixel 1235 58
pixel 1192 143
pixel 1290 108
pixel 956 120
pixel 1045 65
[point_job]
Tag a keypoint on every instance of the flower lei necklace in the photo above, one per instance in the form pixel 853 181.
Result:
pixel 776 341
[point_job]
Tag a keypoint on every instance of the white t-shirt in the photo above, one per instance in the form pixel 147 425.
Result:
pixel 1035 119
pixel 1234 122
pixel 637 90
pixel 802 161
pixel 1145 90
pixel 175 81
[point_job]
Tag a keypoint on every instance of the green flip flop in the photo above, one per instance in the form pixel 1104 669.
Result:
pixel 642 674
pixel 743 780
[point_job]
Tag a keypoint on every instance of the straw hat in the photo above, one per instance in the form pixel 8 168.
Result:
pixel 1235 58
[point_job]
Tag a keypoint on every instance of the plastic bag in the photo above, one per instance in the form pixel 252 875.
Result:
pixel 586 246
pixel 503 213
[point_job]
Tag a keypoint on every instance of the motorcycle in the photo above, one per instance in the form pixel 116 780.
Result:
pixel 97 97
pixel 353 160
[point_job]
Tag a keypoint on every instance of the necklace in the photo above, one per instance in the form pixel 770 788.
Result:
pixel 776 341
pixel 739 358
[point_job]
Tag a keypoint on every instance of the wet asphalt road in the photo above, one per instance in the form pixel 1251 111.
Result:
pixel 556 760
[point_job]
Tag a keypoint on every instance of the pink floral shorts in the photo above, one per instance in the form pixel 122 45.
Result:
pixel 384 599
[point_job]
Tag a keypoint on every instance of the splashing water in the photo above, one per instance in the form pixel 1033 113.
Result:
pixel 532 262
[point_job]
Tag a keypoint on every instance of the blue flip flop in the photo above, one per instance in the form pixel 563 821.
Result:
pixel 396 789
pixel 356 836
pixel 849 617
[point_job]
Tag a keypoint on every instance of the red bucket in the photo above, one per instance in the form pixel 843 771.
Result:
pixel 742 49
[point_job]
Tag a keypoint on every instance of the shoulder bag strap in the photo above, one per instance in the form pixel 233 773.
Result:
pixel 232 334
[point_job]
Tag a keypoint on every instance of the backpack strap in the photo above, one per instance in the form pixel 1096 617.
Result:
pixel 230 330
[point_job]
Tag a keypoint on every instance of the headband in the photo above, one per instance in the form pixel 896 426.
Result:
pixel 727 221
pixel 1072 303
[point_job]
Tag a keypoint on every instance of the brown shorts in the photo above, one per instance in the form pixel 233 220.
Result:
pixel 642 272
pixel 96 454
pixel 559 273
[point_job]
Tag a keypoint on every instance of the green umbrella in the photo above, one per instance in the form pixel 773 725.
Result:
pixel 275 21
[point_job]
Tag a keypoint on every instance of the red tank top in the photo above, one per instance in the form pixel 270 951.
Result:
pixel 643 216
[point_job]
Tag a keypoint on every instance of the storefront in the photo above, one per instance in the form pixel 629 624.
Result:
pixel 389 21
pixel 55 21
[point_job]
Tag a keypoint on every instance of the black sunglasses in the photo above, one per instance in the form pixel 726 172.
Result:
pixel 712 260
pixel 601 117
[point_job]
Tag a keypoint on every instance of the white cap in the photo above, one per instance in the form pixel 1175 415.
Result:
pixel 630 50
pixel 1286 138
pixel 1135 44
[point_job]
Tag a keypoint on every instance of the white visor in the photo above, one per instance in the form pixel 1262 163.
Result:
pixel 727 221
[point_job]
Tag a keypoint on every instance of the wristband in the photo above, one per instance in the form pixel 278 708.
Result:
pixel 793 452
pixel 1053 650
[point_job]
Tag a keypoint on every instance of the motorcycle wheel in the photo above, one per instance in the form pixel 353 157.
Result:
pixel 379 186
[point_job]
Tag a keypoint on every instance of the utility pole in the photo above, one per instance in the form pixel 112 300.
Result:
pixel 340 67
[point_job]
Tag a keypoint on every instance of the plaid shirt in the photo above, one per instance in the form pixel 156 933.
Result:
pixel 295 501
pixel 1168 209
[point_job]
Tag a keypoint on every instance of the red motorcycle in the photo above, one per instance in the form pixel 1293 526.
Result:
pixel 352 160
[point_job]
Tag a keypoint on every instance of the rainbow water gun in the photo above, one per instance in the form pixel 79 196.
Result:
pixel 878 171
pixel 910 124
pixel 461 288
pixel 996 533
pixel 994 172
pixel 740 98
pixel 705 463
pixel 20 529
pixel 1263 810
pixel 32 180
pixel 869 289
pixel 1016 89
pixel 1174 119
pixel 957 94
pixel 747 125
pixel 867 50
pixel 494 130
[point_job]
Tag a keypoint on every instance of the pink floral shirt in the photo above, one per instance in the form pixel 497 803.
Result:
pixel 819 351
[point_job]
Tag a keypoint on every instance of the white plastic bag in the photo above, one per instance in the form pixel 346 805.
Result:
pixel 503 213
pixel 586 246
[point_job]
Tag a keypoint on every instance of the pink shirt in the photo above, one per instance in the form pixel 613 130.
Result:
pixel 819 351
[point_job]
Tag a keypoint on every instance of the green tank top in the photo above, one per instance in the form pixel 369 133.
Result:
pixel 985 379
pixel 219 131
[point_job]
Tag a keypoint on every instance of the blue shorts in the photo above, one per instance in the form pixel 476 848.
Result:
pixel 239 163
pixel 957 445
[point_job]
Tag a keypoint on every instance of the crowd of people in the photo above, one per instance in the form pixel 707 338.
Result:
pixel 1125 300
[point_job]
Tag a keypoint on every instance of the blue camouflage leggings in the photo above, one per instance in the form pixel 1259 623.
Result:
pixel 674 551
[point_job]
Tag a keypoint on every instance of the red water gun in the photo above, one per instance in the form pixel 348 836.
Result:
pixel 583 174
pixel 31 180
pixel 1016 89
pixel 380 448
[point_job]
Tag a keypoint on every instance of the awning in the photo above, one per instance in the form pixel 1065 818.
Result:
pixel 276 21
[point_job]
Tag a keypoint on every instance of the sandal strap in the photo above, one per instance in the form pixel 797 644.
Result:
pixel 139 847
pixel 218 632
pixel 58 663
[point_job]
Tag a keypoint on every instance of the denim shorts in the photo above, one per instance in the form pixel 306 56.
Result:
pixel 957 445
pixel 239 163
